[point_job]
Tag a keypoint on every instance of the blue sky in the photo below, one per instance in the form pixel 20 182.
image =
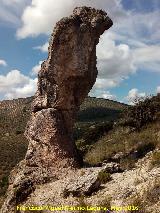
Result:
pixel 128 53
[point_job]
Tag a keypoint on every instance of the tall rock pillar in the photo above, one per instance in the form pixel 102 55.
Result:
pixel 64 80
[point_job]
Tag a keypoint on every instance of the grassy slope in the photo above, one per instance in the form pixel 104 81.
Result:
pixel 131 137
pixel 129 145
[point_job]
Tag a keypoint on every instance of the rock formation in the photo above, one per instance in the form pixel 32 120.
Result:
pixel 64 80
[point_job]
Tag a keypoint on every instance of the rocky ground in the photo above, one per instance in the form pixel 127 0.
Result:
pixel 139 187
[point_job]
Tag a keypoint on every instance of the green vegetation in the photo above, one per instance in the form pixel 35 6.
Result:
pixel 106 204
pixel 15 114
pixel 82 203
pixel 131 146
pixel 127 138
pixel 105 131
pixel 104 177
pixel 155 159
pixel 4 184
pixel 150 197
pixel 145 111
pixel 91 135
pixel 99 109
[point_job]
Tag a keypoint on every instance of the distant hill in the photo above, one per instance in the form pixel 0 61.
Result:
pixel 99 109
pixel 15 113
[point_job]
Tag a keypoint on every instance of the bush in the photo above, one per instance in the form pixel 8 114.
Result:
pixel 96 131
pixel 155 159
pixel 4 181
pixel 92 135
pixel 104 177
pixel 106 204
pixel 143 112
pixel 133 146
pixel 3 185
pixel 19 131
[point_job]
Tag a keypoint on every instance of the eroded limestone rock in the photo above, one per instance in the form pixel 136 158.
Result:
pixel 64 80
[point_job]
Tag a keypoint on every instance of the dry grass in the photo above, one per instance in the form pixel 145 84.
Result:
pixel 133 145
pixel 106 204
pixel 150 197
pixel 155 159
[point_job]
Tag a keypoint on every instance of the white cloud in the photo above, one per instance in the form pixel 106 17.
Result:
pixel 115 62
pixel 11 11
pixel 40 16
pixel 128 46
pixel 139 26
pixel 13 78
pixel 3 62
pixel 134 94
pixel 147 57
pixel 107 95
pixel 43 48
pixel 15 85
pixel 105 83
pixel 36 68
pixel 26 90
pixel 12 2
pixel 100 93
pixel 158 89
pixel 136 26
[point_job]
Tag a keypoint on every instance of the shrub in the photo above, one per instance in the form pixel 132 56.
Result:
pixel 155 159
pixel 143 112
pixel 3 185
pixel 4 181
pixel 96 131
pixel 82 203
pixel 92 134
pixel 19 131
pixel 133 146
pixel 104 177
pixel 106 204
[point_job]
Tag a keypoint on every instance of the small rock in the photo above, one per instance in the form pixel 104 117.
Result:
pixel 118 156
pixel 111 167
pixel 82 185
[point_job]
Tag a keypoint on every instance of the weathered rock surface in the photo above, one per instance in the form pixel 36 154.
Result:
pixel 83 182
pixel 64 80
pixel 112 167
pixel 139 187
